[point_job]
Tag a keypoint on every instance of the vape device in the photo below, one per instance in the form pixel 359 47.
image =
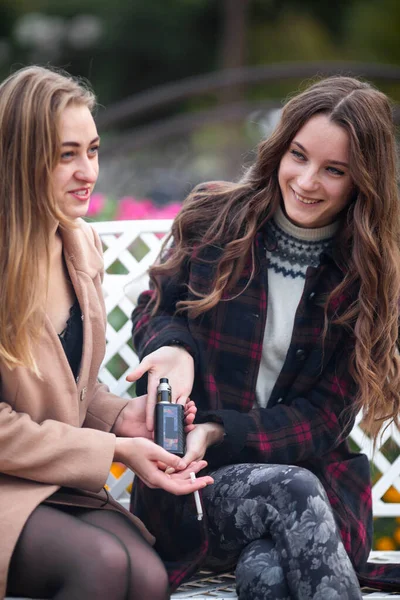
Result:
pixel 168 421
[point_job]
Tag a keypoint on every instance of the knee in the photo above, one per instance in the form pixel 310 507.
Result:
pixel 152 583
pixel 105 569
pixel 158 589
pixel 301 483
pixel 112 562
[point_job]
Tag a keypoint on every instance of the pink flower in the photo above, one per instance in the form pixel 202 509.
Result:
pixel 97 203
pixel 164 212
pixel 130 208
pixel 170 210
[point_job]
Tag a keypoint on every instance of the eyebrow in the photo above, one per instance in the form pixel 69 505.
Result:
pixel 331 162
pixel 77 145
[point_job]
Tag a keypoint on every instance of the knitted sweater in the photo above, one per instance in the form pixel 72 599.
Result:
pixel 294 250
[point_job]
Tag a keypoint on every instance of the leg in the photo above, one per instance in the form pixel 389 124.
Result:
pixel 288 504
pixel 148 577
pixel 57 556
pixel 259 573
pixel 74 553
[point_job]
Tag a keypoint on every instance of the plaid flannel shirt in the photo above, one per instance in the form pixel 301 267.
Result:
pixel 308 417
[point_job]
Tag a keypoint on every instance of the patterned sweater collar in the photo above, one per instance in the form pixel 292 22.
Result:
pixel 297 246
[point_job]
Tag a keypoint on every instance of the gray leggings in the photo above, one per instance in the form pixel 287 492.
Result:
pixel 276 524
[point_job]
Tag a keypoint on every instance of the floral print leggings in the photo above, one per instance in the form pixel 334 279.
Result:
pixel 276 524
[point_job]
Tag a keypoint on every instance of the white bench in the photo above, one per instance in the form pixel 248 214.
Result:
pixel 131 247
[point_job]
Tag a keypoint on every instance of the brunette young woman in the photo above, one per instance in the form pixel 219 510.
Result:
pixel 62 536
pixel 276 309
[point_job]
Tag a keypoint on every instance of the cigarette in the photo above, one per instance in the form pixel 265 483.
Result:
pixel 197 499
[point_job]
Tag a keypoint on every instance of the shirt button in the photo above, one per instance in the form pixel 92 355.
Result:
pixel 300 354
pixel 311 296
pixel 279 400
pixel 83 393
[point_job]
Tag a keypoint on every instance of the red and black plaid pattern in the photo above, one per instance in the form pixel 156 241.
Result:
pixel 309 414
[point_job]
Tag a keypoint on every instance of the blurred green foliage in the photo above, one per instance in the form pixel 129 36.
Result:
pixel 145 43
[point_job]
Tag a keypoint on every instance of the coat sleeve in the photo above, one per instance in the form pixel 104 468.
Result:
pixel 165 328
pixel 53 452
pixel 290 432
pixel 103 409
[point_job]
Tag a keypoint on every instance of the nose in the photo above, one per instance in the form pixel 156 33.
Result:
pixel 308 179
pixel 88 171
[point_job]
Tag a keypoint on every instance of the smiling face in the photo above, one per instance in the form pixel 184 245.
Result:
pixel 314 176
pixel 75 175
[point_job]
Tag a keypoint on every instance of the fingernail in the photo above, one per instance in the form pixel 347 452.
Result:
pixel 170 470
pixel 182 465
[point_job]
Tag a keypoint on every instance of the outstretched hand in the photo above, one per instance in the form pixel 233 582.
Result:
pixel 144 456
pixel 173 362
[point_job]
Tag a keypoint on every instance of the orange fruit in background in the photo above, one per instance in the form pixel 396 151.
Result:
pixel 392 495
pixel 396 535
pixel 397 519
pixel 385 543
pixel 117 469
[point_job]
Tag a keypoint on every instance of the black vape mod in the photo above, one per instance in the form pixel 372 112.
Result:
pixel 168 421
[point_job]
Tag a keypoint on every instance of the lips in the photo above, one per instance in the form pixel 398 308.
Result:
pixel 304 200
pixel 82 194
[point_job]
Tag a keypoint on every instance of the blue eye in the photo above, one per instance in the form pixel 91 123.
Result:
pixel 297 154
pixel 66 155
pixel 94 150
pixel 335 171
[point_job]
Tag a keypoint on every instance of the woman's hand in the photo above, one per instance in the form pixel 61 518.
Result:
pixel 190 410
pixel 200 438
pixel 173 362
pixel 143 456
pixel 131 421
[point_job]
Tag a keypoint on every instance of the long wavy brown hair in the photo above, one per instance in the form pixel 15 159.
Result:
pixel 31 102
pixel 228 215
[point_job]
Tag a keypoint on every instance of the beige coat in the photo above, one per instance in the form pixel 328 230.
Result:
pixel 54 431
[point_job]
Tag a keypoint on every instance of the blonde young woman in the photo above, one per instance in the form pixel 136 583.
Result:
pixel 277 310
pixel 61 535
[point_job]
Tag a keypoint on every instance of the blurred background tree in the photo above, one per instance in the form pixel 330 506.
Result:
pixel 126 47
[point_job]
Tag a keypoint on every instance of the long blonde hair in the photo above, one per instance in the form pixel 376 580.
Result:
pixel 228 215
pixel 31 101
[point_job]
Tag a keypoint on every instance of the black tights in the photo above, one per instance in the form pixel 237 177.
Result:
pixel 80 554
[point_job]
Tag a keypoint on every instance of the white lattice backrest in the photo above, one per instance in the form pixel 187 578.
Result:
pixel 130 247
